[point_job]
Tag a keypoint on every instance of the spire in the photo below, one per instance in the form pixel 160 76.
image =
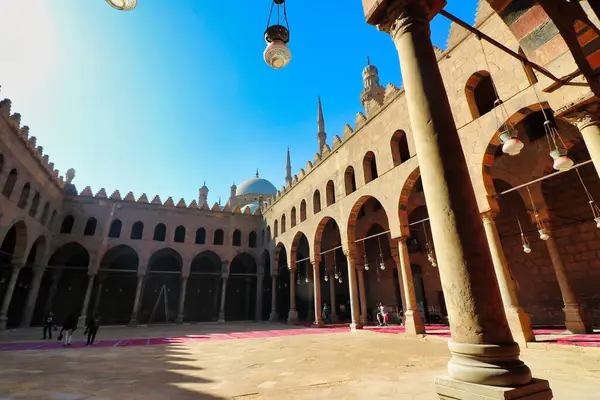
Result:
pixel 288 168
pixel 321 135
pixel 257 172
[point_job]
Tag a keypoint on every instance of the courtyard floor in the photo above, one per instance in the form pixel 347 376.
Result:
pixel 254 361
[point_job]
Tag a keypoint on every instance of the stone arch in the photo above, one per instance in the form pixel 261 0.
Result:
pixel 203 287
pixel 219 237
pixel 480 93
pixel 179 236
pixel 165 260
pixel 24 198
pixel 163 279
pixel 45 213
pixel 160 232
pixel 67 224
pixel 37 251
pixel 252 239
pixel 137 231
pixel 90 227
pixel 330 193
pixel 206 262
pixel 370 167
pixel 236 239
pixel 200 236
pixel 316 202
pixel 9 185
pixel 35 203
pixel 282 272
pixel 115 229
pixel 241 288
pixel 353 218
pixel 277 256
pixel 293 217
pixel 407 189
pixel 303 210
pixel 299 239
pixel 349 180
pixel 399 147
pixel 243 263
pixel 120 257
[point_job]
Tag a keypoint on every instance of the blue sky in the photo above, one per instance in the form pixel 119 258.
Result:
pixel 173 93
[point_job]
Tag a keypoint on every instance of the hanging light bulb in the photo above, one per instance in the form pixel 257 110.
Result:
pixel 277 54
pixel 510 145
pixel 306 279
pixel 340 280
pixel 526 248
pixel 524 241
pixel 326 277
pixel 382 265
pixel 336 276
pixel 562 162
pixel 544 234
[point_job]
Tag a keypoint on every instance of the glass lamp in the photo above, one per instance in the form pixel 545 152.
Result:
pixel 122 5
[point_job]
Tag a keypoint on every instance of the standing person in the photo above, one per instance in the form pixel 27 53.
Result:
pixel 49 324
pixel 92 329
pixel 69 326
pixel 326 314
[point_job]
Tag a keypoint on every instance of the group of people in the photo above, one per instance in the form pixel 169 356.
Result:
pixel 382 314
pixel 69 326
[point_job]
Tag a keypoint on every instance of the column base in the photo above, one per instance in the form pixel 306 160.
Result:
pixel 3 319
pixel 519 323
pixel 82 322
pixel 363 320
pixel 488 364
pixel 273 317
pixel 355 327
pixel 319 324
pixel 335 318
pixel 293 317
pixel 451 389
pixel 576 321
pixel 133 321
pixel 221 319
pixel 179 320
pixel 413 323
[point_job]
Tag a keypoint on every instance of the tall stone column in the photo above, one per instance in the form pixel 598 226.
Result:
pixel 181 309
pixel 293 314
pixel 274 316
pixel 56 275
pixel 221 319
pixel 136 302
pixel 8 296
pixel 483 350
pixel 413 320
pixel 310 316
pixel 354 302
pixel 518 320
pixel 360 270
pixel 589 125
pixel 215 307
pixel 32 295
pixel 86 300
pixel 575 319
pixel 317 289
pixel 334 314
pixel 259 297
pixel 101 279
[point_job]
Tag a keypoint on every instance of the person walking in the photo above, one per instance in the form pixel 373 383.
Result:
pixel 69 326
pixel 326 314
pixel 92 329
pixel 49 322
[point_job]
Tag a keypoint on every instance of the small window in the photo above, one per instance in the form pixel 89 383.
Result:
pixel 160 233
pixel 330 194
pixel 9 186
pixel 201 236
pixel 370 167
pixel 218 239
pixel 24 196
pixel 349 180
pixel 90 227
pixel 115 229
pixel 179 234
pixel 316 202
pixel 67 224
pixel 137 230
pixel 237 238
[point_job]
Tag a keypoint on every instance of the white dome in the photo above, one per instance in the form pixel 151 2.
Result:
pixel 252 206
pixel 256 185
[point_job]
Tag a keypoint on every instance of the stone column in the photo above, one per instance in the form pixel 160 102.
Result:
pixel 518 320
pixel 136 302
pixel 259 297
pixel 334 315
pixel 86 300
pixel 52 292
pixel 221 319
pixel 589 125
pixel 354 302
pixel 317 289
pixel 274 316
pixel 293 314
pixel 575 319
pixel 360 270
pixel 310 316
pixel 32 295
pixel 181 309
pixel 215 307
pixel 8 296
pixel 247 311
pixel 101 279
pixel 483 350
pixel 413 320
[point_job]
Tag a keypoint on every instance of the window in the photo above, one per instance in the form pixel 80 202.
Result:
pixel 218 239
pixel 316 202
pixel 90 227
pixel 67 224
pixel 330 193
pixel 283 223
pixel 275 227
pixel 45 213
pixel 293 217
pixel 160 233
pixel 349 180
pixel 399 146
pixel 24 196
pixel 370 167
pixel 115 229
pixel 237 238
pixel 303 211
pixel 200 236
pixel 137 230
pixel 179 236
pixel 35 203
pixel 9 186
pixel 480 93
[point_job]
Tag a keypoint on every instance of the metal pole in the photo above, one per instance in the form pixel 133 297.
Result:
pixel 372 236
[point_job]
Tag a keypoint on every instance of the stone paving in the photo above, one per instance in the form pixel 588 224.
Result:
pixel 343 365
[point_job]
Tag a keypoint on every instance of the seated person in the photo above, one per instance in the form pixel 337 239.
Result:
pixel 382 315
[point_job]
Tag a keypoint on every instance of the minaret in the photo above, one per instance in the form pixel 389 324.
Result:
pixel 372 90
pixel 202 200
pixel 232 202
pixel 288 169
pixel 321 135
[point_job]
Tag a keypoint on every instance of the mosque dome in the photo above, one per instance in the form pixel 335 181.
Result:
pixel 252 206
pixel 256 185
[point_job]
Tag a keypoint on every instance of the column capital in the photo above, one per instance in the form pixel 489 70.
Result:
pixel 381 12
pixel 225 276
pixel 585 120
pixel 405 16
pixel 488 217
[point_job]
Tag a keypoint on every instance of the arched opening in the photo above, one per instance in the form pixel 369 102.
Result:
pixel 349 180
pixel 265 311
pixel 203 293
pixel 252 240
pixel 237 238
pixel 283 226
pixel 304 279
pixel 218 237
pixel 24 196
pixel 116 285
pixel 90 227
pixel 52 219
pixel 240 303
pixel 293 217
pixel 276 231
pixel 370 167
pixel 115 229
pixel 330 193
pixel 480 93
pixel 269 237
pixel 67 224
pixel 179 236
pixel 163 279
pixel 35 203
pixel 200 236
pixel 529 72
pixel 12 250
pixel 399 146
pixel 160 232
pixel 303 211
pixel 316 202
pixel 45 212
pixel 9 185
pixel 137 230
pixel 283 282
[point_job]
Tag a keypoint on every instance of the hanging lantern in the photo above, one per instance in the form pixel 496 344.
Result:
pixel 558 150
pixel 336 276
pixel 122 5
pixel 524 241
pixel 510 145
pixel 366 259
pixel 544 235
pixel 306 279
pixel 381 264
pixel 562 162
pixel 340 280
pixel 326 277
pixel 277 35
pixel 429 248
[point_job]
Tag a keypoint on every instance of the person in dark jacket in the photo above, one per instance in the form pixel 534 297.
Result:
pixel 93 325
pixel 49 322
pixel 68 328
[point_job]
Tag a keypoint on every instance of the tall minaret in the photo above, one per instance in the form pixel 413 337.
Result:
pixel 232 200
pixel 288 169
pixel 372 90
pixel 321 135
pixel 202 200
